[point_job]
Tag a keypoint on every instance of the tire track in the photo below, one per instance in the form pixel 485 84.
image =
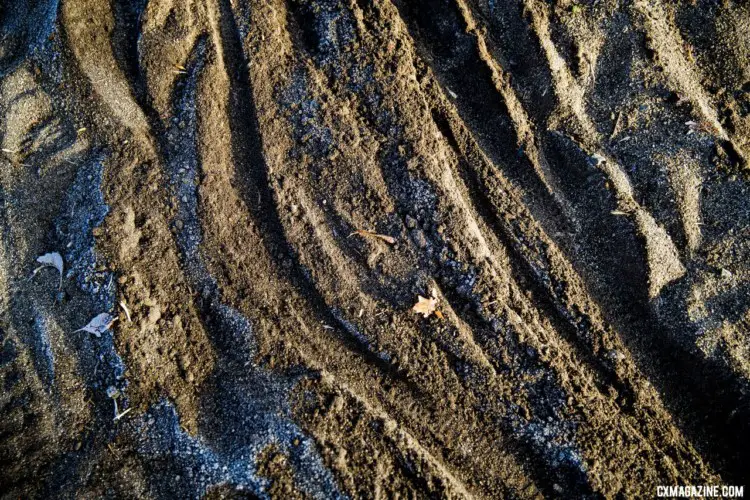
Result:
pixel 215 167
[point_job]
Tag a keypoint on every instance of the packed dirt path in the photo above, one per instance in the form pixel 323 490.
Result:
pixel 249 196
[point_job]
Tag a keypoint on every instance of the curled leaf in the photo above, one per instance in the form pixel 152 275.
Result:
pixel 100 324
pixel 52 259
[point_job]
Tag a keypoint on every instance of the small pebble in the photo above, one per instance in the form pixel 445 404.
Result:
pixel 418 236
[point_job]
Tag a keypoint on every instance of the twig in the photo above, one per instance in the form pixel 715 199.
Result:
pixel 369 234
pixel 616 127
pixel 127 312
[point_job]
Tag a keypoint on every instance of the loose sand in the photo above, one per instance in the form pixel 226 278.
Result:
pixel 569 181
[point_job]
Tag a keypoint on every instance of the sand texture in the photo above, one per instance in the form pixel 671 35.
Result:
pixel 248 197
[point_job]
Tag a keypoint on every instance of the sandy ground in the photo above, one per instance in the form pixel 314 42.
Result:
pixel 565 184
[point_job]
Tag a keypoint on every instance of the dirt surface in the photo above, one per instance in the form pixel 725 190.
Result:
pixel 564 182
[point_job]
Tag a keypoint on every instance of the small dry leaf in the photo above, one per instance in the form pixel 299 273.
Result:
pixel 425 306
pixel 369 234
pixel 98 325
pixel 52 259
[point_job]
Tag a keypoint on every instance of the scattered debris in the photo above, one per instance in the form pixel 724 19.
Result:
pixel 726 273
pixel 616 126
pixel 369 234
pixel 118 416
pixel 598 159
pixel 700 127
pixel 52 259
pixel 100 324
pixel 427 307
pixel 114 393
pixel 127 311
pixel 424 306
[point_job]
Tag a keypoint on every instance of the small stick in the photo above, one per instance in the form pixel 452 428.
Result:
pixel 369 234
pixel 118 417
pixel 127 312
pixel 616 127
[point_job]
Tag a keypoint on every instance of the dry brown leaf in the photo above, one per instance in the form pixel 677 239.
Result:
pixel 369 234
pixel 425 306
